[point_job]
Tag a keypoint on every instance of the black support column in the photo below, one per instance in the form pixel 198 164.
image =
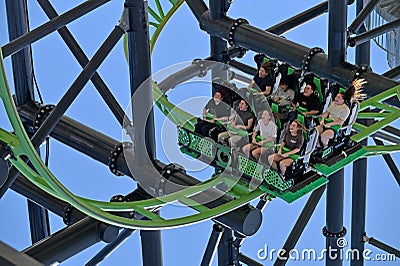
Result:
pixel 337 32
pixel 142 113
pixel 225 255
pixel 212 245
pixel 334 218
pixel 359 184
pixel 17 18
pixel 218 46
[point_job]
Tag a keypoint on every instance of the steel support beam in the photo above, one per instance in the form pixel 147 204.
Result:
pixel 301 223
pixel 362 14
pixel 218 46
pixel 38 221
pixel 65 102
pixel 248 261
pixel 334 218
pixel 335 188
pixel 299 19
pixel 27 189
pixel 83 60
pixel 243 67
pixel 83 139
pixel 151 247
pixel 390 163
pixel 364 37
pixel 142 108
pixel 17 18
pixel 71 240
pixel 139 74
pixel 359 184
pixel 51 26
pixel 260 41
pixel 198 8
pixel 337 22
pixel 393 73
pixel 77 86
pixel 212 245
pixel 110 247
pixel 225 256
pixel 358 208
pixel 363 51
pixel 383 246
pixel 11 257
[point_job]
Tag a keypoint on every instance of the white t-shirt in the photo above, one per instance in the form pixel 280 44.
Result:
pixel 266 131
pixel 338 111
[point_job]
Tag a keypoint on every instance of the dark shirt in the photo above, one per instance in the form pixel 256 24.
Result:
pixel 310 103
pixel 268 81
pixel 243 117
pixel 293 142
pixel 220 110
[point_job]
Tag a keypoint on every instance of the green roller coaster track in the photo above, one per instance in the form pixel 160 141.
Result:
pixel 21 149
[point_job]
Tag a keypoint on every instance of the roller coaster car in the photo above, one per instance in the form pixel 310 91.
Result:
pixel 226 159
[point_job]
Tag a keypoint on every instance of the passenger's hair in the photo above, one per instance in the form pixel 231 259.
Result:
pixel 313 86
pixel 300 125
pixel 284 80
pixel 355 90
pixel 267 67
pixel 262 111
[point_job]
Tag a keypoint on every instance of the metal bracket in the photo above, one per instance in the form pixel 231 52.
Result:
pixel 202 65
pixel 360 70
pixel 326 233
pixel 123 21
pixel 233 28
pixel 308 57
pixel 112 160
pixel 166 173
pixel 42 114
pixel 67 214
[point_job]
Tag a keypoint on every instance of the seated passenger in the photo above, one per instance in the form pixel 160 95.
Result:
pixel 264 79
pixel 293 140
pixel 214 112
pixel 307 100
pixel 337 112
pixel 266 129
pixel 284 94
pixel 243 119
pixel 306 103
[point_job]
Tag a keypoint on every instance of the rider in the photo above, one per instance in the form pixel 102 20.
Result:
pixel 214 112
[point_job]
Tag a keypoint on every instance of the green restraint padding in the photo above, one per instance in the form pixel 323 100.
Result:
pixel 266 144
pixel 317 82
pixel 211 116
pixel 292 156
pixel 237 131
pixel 334 128
pixel 275 110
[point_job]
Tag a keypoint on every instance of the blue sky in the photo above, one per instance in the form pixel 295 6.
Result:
pixel 181 41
